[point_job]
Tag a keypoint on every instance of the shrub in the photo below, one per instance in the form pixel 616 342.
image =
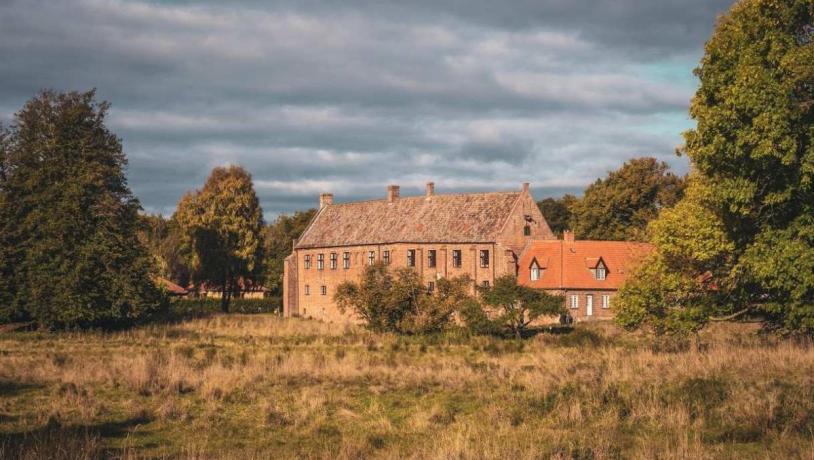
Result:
pixel 196 307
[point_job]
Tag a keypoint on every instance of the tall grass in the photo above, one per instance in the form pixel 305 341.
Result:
pixel 260 386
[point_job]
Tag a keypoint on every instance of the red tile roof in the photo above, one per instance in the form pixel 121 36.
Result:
pixel 568 264
pixel 170 287
pixel 458 218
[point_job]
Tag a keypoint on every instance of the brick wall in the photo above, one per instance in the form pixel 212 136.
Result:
pixel 581 312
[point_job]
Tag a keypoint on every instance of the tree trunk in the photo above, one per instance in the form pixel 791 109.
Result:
pixel 224 298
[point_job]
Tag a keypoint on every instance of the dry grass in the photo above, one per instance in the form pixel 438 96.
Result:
pixel 260 386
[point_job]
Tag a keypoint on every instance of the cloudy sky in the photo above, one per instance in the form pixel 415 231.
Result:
pixel 348 96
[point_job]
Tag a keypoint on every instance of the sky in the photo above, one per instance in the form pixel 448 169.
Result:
pixel 349 96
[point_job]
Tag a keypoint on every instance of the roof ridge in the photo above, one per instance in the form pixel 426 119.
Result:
pixel 419 197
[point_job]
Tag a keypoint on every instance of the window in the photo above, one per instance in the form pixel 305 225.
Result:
pixel 431 258
pixel 346 260
pixel 600 273
pixel 575 301
pixel 307 290
pixel 411 258
pixel 371 258
pixel 320 261
pixel 605 301
pixel 527 230
pixel 323 290
pixel 386 257
pixel 456 258
pixel 307 262
pixel 333 261
pixel 430 287
pixel 485 284
pixel 484 258
pixel 535 271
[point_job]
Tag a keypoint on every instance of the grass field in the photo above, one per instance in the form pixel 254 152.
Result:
pixel 264 387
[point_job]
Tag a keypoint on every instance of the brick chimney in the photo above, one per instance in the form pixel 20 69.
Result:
pixel 568 236
pixel 325 199
pixel 392 193
pixel 430 190
pixel 525 187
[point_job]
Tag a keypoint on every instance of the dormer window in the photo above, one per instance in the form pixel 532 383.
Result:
pixel 600 272
pixel 535 271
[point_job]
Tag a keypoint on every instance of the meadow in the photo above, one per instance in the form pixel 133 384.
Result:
pixel 259 386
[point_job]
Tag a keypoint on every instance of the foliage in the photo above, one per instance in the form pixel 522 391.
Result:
pixel 163 239
pixel 279 237
pixel 69 251
pixel 191 307
pixel 518 306
pixel 746 226
pixel 558 212
pixel 222 231
pixel 620 206
pixel 397 301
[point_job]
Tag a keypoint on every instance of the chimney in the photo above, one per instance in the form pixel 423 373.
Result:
pixel 325 199
pixel 392 193
pixel 430 190
pixel 525 187
pixel 568 236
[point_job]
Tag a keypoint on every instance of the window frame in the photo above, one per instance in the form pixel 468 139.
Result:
pixel 527 230
pixel 603 271
pixel 323 290
pixel 386 257
pixel 320 261
pixel 307 289
pixel 457 258
pixel 345 260
pixel 411 257
pixel 606 301
pixel 431 258
pixel 371 257
pixel 484 258
pixel 333 259
pixel 534 272
pixel 574 301
pixel 307 261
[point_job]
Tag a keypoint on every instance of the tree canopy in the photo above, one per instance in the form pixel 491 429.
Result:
pixel 222 228
pixel 743 238
pixel 279 237
pixel 558 212
pixel 517 306
pixel 620 206
pixel 69 251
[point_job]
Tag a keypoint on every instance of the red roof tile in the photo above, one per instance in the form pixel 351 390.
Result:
pixel 568 263
pixel 169 286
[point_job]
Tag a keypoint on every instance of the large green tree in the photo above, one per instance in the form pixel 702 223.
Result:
pixel 69 251
pixel 747 227
pixel 558 212
pixel 222 227
pixel 516 306
pixel 279 238
pixel 163 238
pixel 620 206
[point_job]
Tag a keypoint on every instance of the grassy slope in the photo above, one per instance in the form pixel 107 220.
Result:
pixel 259 386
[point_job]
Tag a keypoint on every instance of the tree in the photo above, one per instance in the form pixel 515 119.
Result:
pixel 163 238
pixel 518 306
pixel 279 238
pixel 558 212
pixel 222 228
pixel 620 206
pixel 746 226
pixel 69 251
pixel 397 300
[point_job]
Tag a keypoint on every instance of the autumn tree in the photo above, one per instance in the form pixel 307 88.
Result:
pixel 279 237
pixel 163 238
pixel 558 212
pixel 517 306
pixel 222 228
pixel 620 206
pixel 743 237
pixel 69 251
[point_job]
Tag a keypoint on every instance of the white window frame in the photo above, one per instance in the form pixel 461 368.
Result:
pixel 346 260
pixel 535 272
pixel 307 261
pixel 605 301
pixel 320 261
pixel 601 273
pixel 574 302
pixel 333 260
pixel 589 304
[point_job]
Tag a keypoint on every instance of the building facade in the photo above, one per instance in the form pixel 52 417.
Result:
pixel 587 273
pixel 479 234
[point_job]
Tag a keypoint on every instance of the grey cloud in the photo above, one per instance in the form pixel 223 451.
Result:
pixel 311 95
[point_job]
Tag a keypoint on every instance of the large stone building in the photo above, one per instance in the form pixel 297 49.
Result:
pixel 479 234
pixel 587 273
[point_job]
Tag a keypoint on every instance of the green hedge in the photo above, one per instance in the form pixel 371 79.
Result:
pixel 186 307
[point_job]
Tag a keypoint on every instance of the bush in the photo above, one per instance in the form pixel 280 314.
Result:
pixel 196 307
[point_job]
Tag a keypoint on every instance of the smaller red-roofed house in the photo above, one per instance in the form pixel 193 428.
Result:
pixel 171 288
pixel 587 273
